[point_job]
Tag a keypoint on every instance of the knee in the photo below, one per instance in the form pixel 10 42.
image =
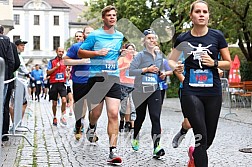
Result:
pixel 54 104
pixel 95 114
pixel 63 100
pixel 113 116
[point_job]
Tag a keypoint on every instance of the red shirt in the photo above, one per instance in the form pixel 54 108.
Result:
pixel 59 75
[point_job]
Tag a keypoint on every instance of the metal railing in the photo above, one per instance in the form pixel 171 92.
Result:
pixel 19 92
pixel 226 97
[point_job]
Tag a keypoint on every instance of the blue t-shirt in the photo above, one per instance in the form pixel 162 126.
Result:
pixel 98 40
pixel 80 73
pixel 192 47
pixel 37 75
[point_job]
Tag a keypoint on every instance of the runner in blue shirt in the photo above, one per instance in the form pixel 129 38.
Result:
pixel 80 75
pixel 102 47
pixel 38 76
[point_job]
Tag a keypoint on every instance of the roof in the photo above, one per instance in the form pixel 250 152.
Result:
pixel 75 12
pixel 53 3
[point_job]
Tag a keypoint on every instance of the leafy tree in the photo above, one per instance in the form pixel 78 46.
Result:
pixel 234 18
pixel 69 42
pixel 139 12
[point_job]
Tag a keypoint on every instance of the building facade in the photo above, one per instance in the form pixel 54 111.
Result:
pixel 6 16
pixel 46 25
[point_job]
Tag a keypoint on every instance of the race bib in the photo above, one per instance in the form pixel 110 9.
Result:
pixel 201 78
pixel 59 76
pixel 149 79
pixel 38 82
pixel 109 66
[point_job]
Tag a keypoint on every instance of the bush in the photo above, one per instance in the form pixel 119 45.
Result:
pixel 246 71
pixel 173 87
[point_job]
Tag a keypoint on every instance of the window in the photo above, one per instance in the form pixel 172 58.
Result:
pixel 56 42
pixel 17 19
pixel 36 19
pixel 5 2
pixel 16 37
pixel 36 42
pixel 56 20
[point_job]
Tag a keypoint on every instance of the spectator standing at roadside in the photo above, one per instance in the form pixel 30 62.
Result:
pixel 6 113
pixel 6 52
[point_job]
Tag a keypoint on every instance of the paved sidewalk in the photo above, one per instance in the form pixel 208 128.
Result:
pixel 56 146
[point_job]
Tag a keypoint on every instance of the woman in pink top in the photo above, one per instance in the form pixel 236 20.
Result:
pixel 127 111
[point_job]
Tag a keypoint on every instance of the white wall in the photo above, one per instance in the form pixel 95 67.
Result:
pixel 46 30
pixel 6 10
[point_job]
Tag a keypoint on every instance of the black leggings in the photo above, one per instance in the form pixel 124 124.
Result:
pixel 153 101
pixel 38 90
pixel 203 114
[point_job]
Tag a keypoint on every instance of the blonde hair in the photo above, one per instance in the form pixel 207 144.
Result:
pixel 195 2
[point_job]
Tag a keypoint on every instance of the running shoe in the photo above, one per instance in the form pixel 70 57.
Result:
pixel 82 128
pixel 91 135
pixel 63 120
pixel 55 121
pixel 177 139
pixel 191 159
pixel 70 113
pixel 158 152
pixel 135 145
pixel 78 133
pixel 127 127
pixel 114 159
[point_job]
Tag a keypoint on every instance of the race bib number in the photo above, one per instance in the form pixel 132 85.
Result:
pixel 38 82
pixel 59 76
pixel 201 78
pixel 149 79
pixel 109 66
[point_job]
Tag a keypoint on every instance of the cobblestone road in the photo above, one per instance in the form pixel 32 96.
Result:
pixel 56 146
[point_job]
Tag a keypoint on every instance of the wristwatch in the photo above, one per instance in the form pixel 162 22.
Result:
pixel 216 63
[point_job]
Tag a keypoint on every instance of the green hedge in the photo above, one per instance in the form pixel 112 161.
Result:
pixel 173 87
pixel 246 71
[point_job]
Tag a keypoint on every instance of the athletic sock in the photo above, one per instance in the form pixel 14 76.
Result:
pixel 183 131
pixel 111 149
pixel 156 142
pixel 91 126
